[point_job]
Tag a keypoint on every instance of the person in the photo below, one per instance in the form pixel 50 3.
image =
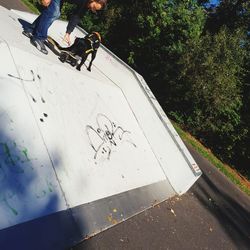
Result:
pixel 38 31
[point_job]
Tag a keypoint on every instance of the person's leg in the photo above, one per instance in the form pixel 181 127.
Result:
pixel 42 24
pixel 47 17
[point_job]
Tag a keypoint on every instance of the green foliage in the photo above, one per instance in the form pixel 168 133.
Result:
pixel 235 15
pixel 242 148
pixel 66 10
pixel 163 31
pixel 31 6
pixel 153 35
pixel 211 77
pixel 231 13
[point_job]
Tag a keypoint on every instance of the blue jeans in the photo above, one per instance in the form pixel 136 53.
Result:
pixel 47 17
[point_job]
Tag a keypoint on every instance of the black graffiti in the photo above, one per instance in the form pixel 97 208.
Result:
pixel 45 115
pixel 25 80
pixel 32 79
pixel 106 136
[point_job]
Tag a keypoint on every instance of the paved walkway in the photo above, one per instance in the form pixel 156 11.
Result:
pixel 213 214
pixel 14 4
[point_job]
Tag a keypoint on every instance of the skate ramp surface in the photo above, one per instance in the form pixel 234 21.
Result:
pixel 79 151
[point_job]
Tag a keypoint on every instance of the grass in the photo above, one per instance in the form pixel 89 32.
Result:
pixel 228 171
pixel 31 6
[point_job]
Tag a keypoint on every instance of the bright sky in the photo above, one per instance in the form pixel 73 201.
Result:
pixel 214 2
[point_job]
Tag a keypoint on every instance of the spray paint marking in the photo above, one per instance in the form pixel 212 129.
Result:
pixel 50 187
pixel 106 136
pixel 32 79
pixel 14 160
pixel 25 80
pixel 4 198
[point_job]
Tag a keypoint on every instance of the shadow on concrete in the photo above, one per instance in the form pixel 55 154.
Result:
pixel 24 23
pixel 225 202
pixel 33 212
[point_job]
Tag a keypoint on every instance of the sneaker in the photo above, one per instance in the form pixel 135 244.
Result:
pixel 39 44
pixel 27 33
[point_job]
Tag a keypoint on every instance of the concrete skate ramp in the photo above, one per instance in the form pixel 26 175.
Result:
pixel 79 151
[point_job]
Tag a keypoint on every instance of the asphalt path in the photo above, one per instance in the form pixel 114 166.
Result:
pixel 213 214
pixel 14 4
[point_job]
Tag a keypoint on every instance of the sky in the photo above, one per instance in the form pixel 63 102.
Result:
pixel 214 2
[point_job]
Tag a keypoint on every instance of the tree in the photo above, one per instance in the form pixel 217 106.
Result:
pixel 234 14
pixel 152 36
pixel 242 149
pixel 212 76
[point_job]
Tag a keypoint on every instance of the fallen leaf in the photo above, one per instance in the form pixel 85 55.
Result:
pixel 109 218
pixel 172 211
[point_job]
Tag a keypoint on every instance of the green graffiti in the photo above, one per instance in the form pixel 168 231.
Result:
pixel 6 150
pixel 10 207
pixel 4 197
pixel 11 160
pixel 50 187
pixel 2 174
pixel 25 152
pixel 13 155
pixel 41 195
pixel 27 159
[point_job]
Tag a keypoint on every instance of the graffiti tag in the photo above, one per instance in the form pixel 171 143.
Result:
pixel 13 156
pixel 106 136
